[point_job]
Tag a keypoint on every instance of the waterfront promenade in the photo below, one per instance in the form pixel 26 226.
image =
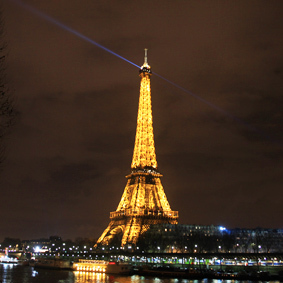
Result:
pixel 238 266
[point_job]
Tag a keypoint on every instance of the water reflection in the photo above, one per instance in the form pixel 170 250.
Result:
pixel 11 273
pixel 92 277
pixel 84 276
pixel 34 273
pixel 24 274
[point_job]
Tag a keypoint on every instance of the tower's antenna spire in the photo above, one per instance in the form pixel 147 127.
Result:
pixel 145 56
pixel 145 68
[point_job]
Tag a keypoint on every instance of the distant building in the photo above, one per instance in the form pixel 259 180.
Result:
pixel 210 239
pixel 258 240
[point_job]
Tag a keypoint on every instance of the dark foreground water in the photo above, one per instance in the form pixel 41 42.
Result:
pixel 24 274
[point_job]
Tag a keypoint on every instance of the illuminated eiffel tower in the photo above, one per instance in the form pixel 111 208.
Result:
pixel 144 201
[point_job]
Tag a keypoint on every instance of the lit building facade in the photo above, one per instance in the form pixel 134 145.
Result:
pixel 192 238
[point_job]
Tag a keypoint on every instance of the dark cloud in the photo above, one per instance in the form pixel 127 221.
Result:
pixel 73 142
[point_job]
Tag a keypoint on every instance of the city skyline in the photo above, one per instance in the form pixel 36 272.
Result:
pixel 72 144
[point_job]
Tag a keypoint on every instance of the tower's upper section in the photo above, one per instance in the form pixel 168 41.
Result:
pixel 145 68
pixel 144 157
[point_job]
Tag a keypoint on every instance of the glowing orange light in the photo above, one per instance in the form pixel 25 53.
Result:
pixel 144 201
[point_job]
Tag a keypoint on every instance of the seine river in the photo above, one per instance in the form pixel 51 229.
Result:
pixel 24 274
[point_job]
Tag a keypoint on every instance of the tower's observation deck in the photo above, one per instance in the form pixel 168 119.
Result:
pixel 144 201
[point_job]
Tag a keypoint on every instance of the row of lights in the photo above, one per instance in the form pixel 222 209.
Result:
pixel 88 268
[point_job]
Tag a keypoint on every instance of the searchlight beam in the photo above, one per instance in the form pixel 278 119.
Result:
pixel 78 34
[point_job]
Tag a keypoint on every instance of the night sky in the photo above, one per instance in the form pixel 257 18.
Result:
pixel 71 146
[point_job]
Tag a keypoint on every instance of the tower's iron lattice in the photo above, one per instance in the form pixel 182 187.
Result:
pixel 144 201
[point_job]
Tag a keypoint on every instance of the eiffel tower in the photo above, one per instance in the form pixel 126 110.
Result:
pixel 143 202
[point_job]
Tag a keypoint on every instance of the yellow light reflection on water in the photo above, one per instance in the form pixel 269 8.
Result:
pixel 96 277
pixel 85 276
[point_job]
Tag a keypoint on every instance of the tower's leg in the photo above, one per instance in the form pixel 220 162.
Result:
pixel 102 237
pixel 132 230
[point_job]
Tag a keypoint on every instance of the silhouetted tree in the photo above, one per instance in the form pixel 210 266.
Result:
pixel 268 240
pixel 227 242
pixel 211 243
pixel 84 242
pixel 7 113
pixel 11 242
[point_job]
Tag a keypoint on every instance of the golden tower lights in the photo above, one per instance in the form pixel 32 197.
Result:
pixel 144 201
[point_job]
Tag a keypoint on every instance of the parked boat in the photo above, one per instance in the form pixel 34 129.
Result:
pixel 102 266
pixel 52 263
pixel 167 271
pixel 7 259
pixel 207 273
